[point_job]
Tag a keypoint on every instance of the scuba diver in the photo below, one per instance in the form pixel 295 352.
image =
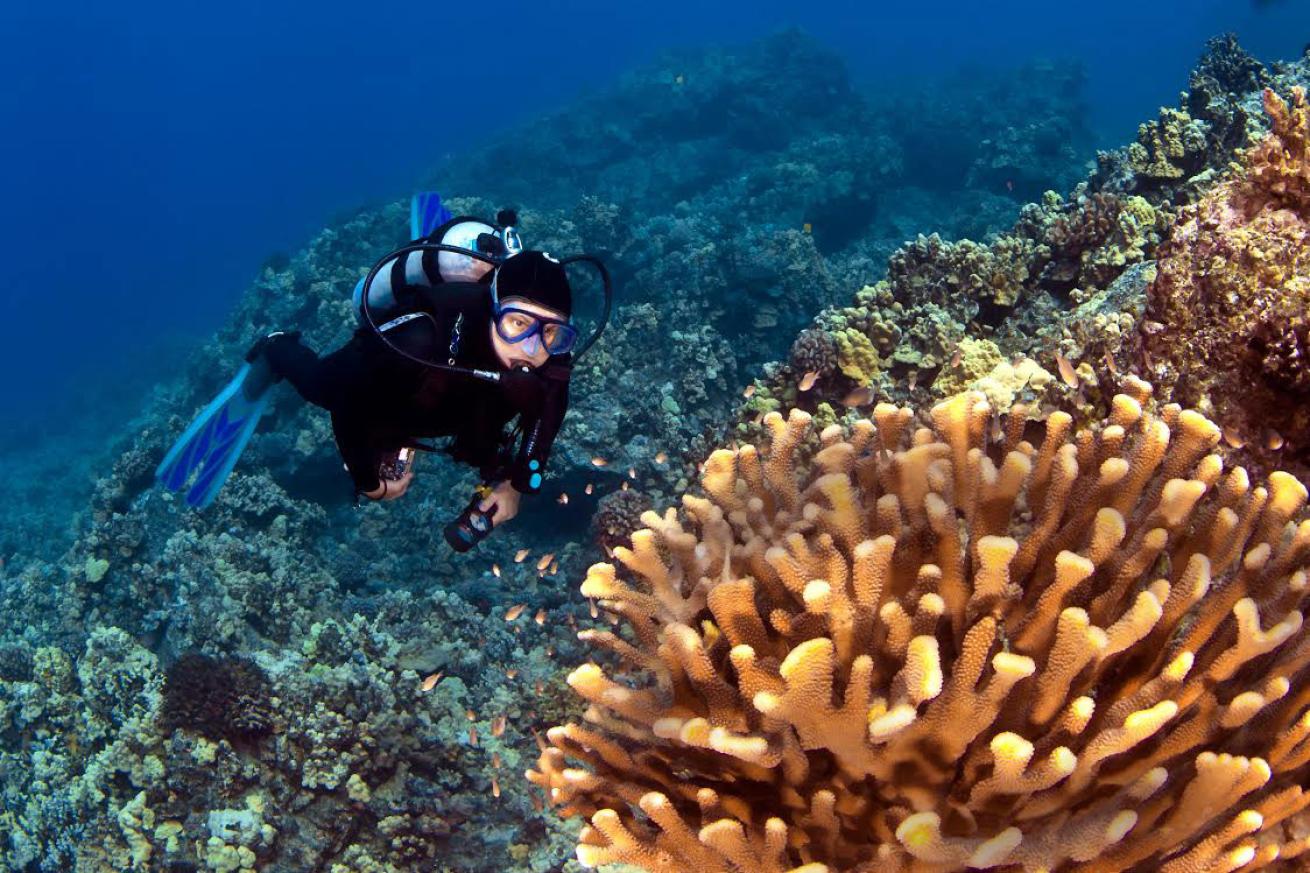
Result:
pixel 461 332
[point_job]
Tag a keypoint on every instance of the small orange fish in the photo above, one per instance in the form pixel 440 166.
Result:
pixel 807 227
pixel 495 760
pixel 599 461
pixel 498 725
pixel 431 682
pixel 520 555
pixel 859 397
pixel 912 379
pixel 562 499
pixel 661 457
pixel 545 560
pixel 470 715
pixel 515 611
pixel 749 390
pixel 957 357
pixel 1110 364
pixel 473 735
pixel 495 787
pixel 808 380
pixel 625 487
pixel 554 568
pixel 495 570
pixel 1274 441
pixel 538 686
pixel 536 802
pixel 595 613
pixel 511 673
pixel 1067 372
pixel 1233 438
pixel 540 617
pixel 588 489
pixel 632 472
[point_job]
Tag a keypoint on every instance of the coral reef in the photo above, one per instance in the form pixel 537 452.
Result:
pixel 1225 325
pixel 405 683
pixel 108 770
pixel 1065 286
pixel 942 647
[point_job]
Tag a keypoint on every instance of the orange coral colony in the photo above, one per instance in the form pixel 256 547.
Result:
pixel 939 646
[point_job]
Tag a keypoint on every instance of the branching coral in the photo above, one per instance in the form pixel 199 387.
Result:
pixel 938 647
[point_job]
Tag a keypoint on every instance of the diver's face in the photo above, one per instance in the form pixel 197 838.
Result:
pixel 531 352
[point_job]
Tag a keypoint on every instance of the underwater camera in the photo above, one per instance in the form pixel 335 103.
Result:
pixel 471 527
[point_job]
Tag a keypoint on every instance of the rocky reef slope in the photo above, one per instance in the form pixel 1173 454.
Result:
pixel 287 682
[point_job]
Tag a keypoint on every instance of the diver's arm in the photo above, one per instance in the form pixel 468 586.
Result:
pixel 360 454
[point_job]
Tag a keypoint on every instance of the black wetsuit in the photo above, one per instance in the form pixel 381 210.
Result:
pixel 380 401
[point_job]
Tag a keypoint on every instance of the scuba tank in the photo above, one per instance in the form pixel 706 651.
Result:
pixel 462 238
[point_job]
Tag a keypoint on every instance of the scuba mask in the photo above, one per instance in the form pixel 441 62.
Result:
pixel 516 323
pixel 536 332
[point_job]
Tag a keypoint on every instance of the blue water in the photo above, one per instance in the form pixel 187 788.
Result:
pixel 154 154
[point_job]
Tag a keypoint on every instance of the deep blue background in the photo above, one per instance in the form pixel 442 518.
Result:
pixel 153 154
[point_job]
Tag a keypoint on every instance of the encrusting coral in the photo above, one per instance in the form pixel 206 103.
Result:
pixel 1226 320
pixel 943 646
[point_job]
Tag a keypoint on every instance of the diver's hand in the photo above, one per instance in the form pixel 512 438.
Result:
pixel 505 497
pixel 391 489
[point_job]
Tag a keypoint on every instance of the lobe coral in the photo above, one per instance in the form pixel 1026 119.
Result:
pixel 936 646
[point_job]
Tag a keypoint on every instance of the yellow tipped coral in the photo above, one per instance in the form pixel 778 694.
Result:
pixel 943 647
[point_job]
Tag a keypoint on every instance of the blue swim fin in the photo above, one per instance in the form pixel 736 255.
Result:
pixel 214 441
pixel 426 214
